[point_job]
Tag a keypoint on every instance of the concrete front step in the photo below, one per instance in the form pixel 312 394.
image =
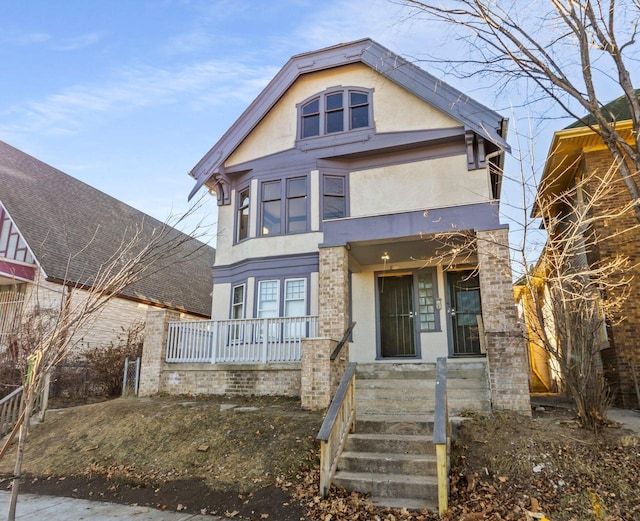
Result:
pixel 420 406
pixel 388 463
pixel 389 485
pixel 428 384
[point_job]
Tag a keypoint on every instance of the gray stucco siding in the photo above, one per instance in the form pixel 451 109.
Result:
pixel 300 265
pixel 478 217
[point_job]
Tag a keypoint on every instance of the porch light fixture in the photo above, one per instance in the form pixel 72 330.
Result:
pixel 385 257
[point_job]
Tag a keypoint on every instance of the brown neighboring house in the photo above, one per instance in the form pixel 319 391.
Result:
pixel 56 232
pixel 575 152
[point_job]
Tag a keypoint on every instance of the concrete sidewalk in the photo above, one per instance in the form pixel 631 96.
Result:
pixel 53 508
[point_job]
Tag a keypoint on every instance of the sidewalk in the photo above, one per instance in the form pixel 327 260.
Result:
pixel 53 508
pixel 628 418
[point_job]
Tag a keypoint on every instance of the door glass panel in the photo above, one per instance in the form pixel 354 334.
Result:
pixel 465 309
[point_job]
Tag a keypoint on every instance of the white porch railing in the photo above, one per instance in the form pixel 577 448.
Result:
pixel 250 340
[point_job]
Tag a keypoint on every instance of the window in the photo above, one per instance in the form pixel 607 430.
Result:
pixel 427 310
pixel 236 331
pixel 335 113
pixel 271 196
pixel 284 201
pixel 358 110
pixel 237 304
pixel 295 297
pixel 311 119
pixel 295 305
pixel 297 205
pixel 243 215
pixel 337 110
pixel 268 298
pixel 333 197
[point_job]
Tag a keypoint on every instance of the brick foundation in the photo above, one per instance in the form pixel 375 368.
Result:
pixel 232 379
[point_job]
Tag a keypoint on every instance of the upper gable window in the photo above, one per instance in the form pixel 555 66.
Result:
pixel 335 110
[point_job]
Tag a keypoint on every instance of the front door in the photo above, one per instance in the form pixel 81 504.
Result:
pixel 464 312
pixel 396 316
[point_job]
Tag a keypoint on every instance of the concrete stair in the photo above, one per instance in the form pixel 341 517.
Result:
pixel 410 388
pixel 391 455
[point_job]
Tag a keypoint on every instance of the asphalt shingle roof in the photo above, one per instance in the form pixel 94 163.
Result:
pixel 616 110
pixel 72 228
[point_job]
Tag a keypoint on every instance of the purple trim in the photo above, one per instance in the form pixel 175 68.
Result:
pixel 479 217
pixel 289 266
pixel 381 150
pixel 19 271
pixel 471 114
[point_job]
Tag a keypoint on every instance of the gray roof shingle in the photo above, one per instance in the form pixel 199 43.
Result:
pixel 73 228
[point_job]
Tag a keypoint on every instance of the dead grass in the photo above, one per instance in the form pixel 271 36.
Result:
pixel 228 443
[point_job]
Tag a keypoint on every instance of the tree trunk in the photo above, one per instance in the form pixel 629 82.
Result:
pixel 22 438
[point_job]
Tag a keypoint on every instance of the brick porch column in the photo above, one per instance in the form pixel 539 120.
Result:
pixel 153 349
pixel 333 292
pixel 506 345
pixel 318 377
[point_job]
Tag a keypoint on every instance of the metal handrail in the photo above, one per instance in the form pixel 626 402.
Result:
pixel 340 419
pixel 442 434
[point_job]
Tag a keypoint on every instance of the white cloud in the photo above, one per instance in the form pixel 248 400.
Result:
pixel 78 42
pixel 23 39
pixel 196 85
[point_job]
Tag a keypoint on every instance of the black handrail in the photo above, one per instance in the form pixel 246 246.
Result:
pixel 342 342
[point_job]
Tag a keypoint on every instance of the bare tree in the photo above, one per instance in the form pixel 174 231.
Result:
pixel 44 336
pixel 571 51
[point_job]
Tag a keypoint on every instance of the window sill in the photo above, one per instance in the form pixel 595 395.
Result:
pixel 339 138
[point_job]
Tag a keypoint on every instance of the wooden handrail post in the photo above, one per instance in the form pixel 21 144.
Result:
pixel 441 433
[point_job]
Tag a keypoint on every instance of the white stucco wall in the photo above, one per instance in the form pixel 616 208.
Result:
pixel 420 185
pixel 394 109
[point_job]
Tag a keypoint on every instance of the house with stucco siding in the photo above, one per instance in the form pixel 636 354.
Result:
pixel 358 223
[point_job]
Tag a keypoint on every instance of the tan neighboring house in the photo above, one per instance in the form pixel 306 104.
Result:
pixel 56 231
pixel 576 152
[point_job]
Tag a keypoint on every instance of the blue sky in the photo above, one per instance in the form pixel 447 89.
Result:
pixel 128 95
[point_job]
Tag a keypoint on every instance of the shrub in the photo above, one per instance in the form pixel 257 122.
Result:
pixel 107 363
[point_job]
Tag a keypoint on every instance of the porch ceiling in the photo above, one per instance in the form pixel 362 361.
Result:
pixel 408 249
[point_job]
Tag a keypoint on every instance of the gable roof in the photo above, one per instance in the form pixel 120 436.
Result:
pixel 60 216
pixel 617 110
pixel 473 115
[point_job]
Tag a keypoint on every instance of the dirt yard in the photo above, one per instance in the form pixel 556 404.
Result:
pixel 257 459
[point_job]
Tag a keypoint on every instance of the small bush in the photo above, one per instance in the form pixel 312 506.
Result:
pixel 107 363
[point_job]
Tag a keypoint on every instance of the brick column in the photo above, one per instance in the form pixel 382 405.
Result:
pixel 319 376
pixel 154 348
pixel 315 377
pixel 333 292
pixel 506 345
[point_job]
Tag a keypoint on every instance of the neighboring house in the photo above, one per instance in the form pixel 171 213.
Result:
pixel 335 188
pixel 55 233
pixel 544 374
pixel 577 152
